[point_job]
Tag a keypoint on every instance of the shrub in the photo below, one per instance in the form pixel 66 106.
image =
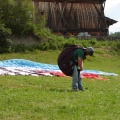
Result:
pixel 5 43
pixel 20 48
pixel 116 47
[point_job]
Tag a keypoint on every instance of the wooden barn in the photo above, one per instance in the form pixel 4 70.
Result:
pixel 75 16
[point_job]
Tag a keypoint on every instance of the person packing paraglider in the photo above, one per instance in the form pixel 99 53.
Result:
pixel 70 62
pixel 79 55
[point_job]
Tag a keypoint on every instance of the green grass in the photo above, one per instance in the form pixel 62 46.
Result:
pixel 51 98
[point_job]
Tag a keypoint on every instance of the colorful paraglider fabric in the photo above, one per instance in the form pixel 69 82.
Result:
pixel 28 67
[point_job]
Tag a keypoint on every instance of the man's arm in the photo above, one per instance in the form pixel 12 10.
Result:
pixel 80 63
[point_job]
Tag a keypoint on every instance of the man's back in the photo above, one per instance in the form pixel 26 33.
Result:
pixel 78 53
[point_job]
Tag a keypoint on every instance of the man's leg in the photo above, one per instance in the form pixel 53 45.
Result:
pixel 80 87
pixel 75 78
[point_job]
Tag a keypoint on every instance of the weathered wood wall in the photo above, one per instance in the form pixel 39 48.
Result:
pixel 74 16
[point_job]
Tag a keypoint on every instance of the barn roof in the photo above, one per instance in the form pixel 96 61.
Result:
pixel 74 1
pixel 110 21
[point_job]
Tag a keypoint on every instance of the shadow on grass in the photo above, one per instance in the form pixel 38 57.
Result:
pixel 62 90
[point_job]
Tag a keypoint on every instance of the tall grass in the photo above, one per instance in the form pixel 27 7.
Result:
pixel 49 41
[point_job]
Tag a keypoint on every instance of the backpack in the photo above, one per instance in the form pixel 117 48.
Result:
pixel 66 61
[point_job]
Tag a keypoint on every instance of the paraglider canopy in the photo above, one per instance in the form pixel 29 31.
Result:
pixel 65 59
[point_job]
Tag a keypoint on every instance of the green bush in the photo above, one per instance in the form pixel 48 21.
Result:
pixel 93 42
pixel 116 47
pixel 5 43
pixel 19 48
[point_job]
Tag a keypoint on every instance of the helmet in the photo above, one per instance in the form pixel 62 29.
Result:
pixel 89 51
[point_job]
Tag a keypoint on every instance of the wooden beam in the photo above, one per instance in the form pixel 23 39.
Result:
pixel 73 1
pixel 82 30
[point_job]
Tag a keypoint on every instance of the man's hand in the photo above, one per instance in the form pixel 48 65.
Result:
pixel 80 63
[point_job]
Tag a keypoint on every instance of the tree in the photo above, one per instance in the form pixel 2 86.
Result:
pixel 17 15
pixel 116 34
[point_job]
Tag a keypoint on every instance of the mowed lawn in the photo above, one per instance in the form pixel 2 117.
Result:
pixel 51 98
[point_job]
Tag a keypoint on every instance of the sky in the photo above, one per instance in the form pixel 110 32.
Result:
pixel 112 10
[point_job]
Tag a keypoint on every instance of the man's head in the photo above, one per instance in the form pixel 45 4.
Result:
pixel 89 51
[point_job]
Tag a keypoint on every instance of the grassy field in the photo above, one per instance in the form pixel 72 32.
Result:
pixel 51 98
